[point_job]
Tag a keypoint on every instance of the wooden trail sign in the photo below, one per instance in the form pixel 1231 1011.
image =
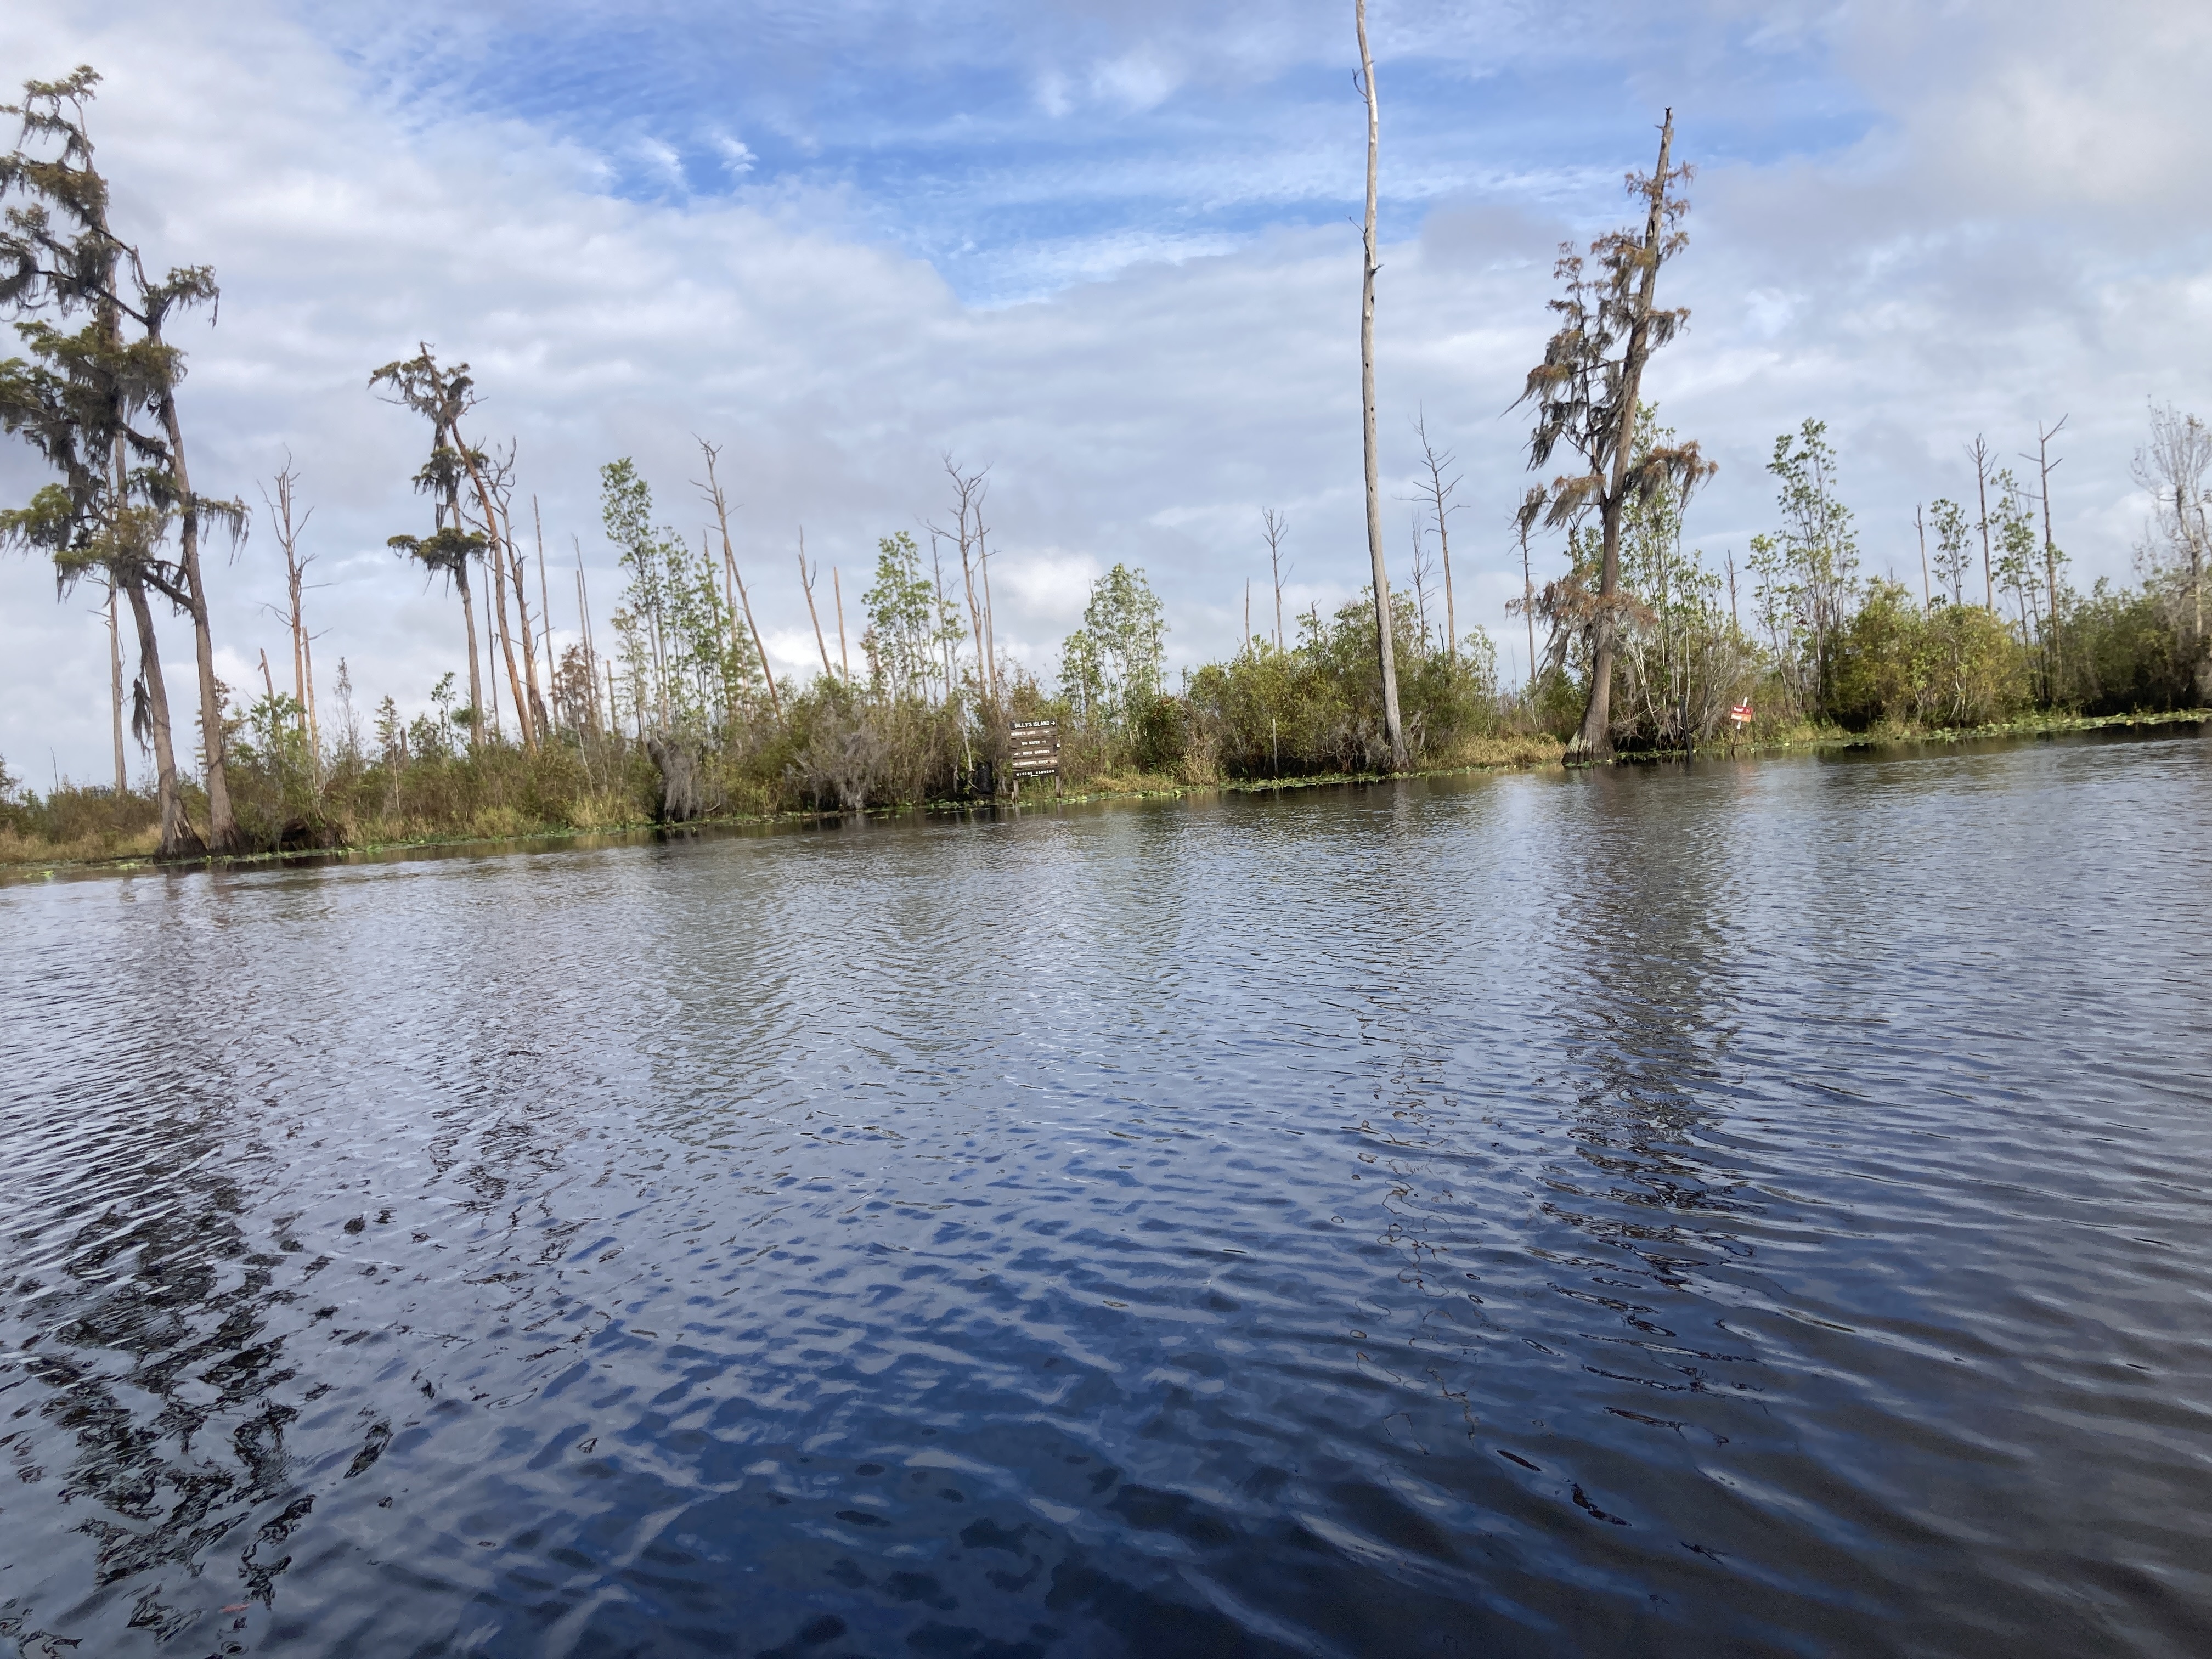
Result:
pixel 1034 751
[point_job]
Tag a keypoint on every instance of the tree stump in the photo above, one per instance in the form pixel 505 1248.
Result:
pixel 678 764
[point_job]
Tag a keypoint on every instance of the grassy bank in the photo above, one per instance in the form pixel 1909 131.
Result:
pixel 1888 733
pixel 91 829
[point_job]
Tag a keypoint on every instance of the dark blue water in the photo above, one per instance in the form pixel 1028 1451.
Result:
pixel 1751 1208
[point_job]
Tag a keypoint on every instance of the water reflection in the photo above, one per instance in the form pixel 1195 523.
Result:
pixel 1639 1211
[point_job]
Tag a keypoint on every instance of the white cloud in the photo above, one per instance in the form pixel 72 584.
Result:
pixel 736 155
pixel 661 159
pixel 1049 586
pixel 1137 81
pixel 791 652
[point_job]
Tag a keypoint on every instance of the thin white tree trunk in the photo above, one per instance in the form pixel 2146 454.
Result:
pixel 844 655
pixel 115 690
pixel 1385 651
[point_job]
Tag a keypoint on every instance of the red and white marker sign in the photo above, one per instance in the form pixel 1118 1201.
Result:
pixel 1740 714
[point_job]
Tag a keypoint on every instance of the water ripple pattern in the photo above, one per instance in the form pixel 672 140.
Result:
pixel 1744 1209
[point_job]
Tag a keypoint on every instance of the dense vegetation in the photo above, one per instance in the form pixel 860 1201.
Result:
pixel 1813 644
pixel 1648 645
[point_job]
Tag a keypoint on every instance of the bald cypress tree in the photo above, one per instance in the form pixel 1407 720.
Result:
pixel 100 405
pixel 442 396
pixel 88 524
pixel 1586 392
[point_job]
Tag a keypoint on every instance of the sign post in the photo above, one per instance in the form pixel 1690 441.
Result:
pixel 1738 722
pixel 1033 752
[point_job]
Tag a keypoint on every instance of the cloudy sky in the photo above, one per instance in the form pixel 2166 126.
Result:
pixel 1108 250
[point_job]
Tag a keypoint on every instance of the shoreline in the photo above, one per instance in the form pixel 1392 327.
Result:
pixel 39 869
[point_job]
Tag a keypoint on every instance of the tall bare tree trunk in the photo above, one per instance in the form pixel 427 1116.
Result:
pixel 2043 464
pixel 314 727
pixel 713 493
pixel 1385 651
pixel 837 593
pixel 1594 741
pixel 729 591
pixel 969 492
pixel 469 620
pixel 1439 495
pixel 1981 454
pixel 298 662
pixel 1275 526
pixel 545 603
pixel 223 822
pixel 975 619
pixel 491 638
pixel 806 581
pixel 495 556
pixel 115 690
pixel 2196 568
pixel 1451 610
pixel 295 574
pixel 945 644
pixel 534 705
pixel 1927 592
pixel 179 839
pixel 1528 591
pixel 584 630
pixel 114 632
pixel 990 623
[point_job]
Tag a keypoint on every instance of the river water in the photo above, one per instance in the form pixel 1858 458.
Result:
pixel 1744 1208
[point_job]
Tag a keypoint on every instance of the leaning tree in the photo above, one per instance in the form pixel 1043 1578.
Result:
pixel 1586 392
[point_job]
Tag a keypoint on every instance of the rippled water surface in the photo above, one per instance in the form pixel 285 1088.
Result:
pixel 1753 1208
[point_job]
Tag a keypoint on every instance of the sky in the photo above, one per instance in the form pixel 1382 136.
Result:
pixel 1110 252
